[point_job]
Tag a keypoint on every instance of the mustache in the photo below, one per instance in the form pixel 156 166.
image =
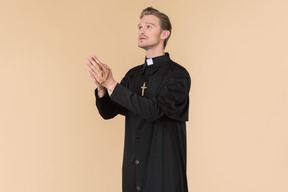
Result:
pixel 142 36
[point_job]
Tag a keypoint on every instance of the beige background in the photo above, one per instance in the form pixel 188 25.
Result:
pixel 52 138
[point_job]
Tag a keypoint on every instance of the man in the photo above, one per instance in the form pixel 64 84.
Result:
pixel 154 98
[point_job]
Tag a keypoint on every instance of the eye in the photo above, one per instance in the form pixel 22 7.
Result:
pixel 149 26
pixel 140 27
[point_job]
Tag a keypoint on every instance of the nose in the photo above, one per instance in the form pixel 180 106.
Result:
pixel 142 31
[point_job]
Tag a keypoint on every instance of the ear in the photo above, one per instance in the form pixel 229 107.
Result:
pixel 165 34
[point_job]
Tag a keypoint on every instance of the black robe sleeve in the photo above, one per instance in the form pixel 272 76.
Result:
pixel 172 99
pixel 107 108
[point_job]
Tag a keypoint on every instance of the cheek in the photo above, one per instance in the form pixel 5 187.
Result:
pixel 154 34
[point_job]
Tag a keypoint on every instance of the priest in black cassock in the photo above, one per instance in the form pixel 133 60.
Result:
pixel 154 98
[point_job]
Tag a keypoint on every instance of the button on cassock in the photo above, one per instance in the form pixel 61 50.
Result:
pixel 138 188
pixel 137 162
pixel 137 138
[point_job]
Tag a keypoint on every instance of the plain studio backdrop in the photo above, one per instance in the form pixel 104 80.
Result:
pixel 52 138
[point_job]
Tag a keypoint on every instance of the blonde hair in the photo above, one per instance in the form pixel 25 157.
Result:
pixel 164 20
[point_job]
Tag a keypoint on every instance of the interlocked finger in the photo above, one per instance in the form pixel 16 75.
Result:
pixel 104 72
pixel 94 67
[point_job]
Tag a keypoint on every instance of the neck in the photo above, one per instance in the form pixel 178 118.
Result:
pixel 154 53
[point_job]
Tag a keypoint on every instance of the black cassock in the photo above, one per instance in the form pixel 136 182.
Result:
pixel 155 125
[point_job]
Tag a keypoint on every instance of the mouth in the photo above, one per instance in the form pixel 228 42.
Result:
pixel 142 38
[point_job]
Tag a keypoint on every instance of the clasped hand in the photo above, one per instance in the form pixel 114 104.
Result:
pixel 101 74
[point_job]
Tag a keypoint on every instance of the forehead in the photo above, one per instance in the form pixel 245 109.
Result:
pixel 150 19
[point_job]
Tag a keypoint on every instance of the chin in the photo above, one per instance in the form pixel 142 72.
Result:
pixel 142 46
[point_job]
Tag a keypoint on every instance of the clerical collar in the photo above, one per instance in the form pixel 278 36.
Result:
pixel 156 62
pixel 149 61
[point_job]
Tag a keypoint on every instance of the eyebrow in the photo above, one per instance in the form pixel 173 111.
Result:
pixel 147 23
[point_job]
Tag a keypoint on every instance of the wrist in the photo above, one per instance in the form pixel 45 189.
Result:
pixel 100 88
pixel 112 86
pixel 101 91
